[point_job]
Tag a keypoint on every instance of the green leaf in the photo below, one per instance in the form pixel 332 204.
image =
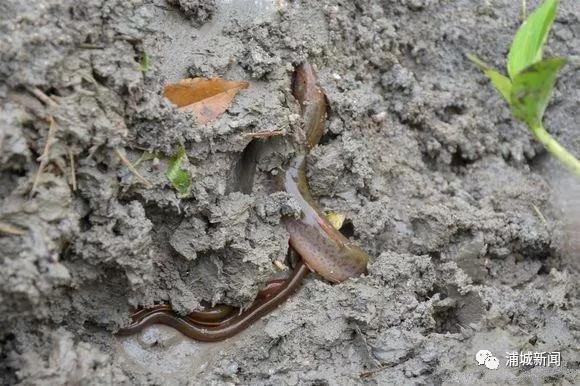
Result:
pixel 501 82
pixel 144 62
pixel 179 177
pixel 532 89
pixel 529 41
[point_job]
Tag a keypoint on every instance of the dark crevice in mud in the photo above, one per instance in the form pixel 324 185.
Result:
pixel 347 228
pixel 53 91
pixel 328 137
pixel 427 295
pixel 85 222
pixel 242 176
pixel 116 229
pixel 459 161
pixel 7 372
pixel 66 252
pixel 435 256
pixel 541 251
pixel 550 259
pixel 165 222
pixel 446 321
pixel 8 180
pixel 430 161
pixel 538 162
pixel 99 79
pixel 92 328
pixel 449 112
pixel 454 312
pixel 102 167
pixel 544 270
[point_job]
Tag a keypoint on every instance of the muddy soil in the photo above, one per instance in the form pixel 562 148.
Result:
pixel 472 226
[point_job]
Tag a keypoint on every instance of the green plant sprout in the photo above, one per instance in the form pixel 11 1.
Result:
pixel 531 78
pixel 145 62
pixel 177 175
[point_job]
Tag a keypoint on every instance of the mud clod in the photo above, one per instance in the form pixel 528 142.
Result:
pixel 439 184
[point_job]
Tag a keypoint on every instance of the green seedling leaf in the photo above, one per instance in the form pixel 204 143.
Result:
pixel 144 62
pixel 501 82
pixel 529 41
pixel 532 89
pixel 179 177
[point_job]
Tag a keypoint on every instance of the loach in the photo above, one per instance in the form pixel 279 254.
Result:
pixel 322 247
pixel 267 300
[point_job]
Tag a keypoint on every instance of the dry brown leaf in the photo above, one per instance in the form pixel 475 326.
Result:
pixel 206 98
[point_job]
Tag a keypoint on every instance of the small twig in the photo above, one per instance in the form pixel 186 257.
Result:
pixel 42 96
pixel 146 156
pixel 524 331
pixel 164 8
pixel 145 149
pixel 44 157
pixel 91 46
pixel 464 328
pixel 132 169
pixel 73 177
pixel 540 215
pixel 371 372
pixel 265 134
pixel 524 10
pixel 139 160
pixel 207 53
pixel 11 229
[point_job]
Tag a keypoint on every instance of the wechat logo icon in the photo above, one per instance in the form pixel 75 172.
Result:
pixel 486 358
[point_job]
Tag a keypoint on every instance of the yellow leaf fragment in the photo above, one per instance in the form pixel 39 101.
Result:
pixel 336 219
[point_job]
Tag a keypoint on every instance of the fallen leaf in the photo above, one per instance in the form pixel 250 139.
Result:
pixel 206 98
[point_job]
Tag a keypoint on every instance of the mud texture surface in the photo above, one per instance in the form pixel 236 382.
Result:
pixel 473 228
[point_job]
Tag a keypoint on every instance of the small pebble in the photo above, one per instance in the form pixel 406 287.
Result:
pixel 379 117
pixel 293 118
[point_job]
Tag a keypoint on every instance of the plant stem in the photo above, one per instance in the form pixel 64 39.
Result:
pixel 45 154
pixel 556 149
pixel 130 166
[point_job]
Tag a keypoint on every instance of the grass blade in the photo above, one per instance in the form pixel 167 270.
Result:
pixel 529 41
pixel 501 82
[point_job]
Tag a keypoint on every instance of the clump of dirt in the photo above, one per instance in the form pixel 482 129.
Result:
pixel 460 208
pixel 197 11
